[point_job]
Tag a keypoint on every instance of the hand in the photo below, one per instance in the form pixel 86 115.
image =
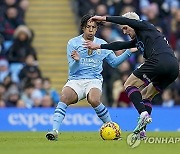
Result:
pixel 98 18
pixel 133 50
pixel 75 55
pixel 90 45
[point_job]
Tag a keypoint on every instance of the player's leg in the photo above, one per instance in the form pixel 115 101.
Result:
pixel 94 93
pixel 143 75
pixel 160 73
pixel 159 83
pixel 68 96
pixel 132 86
pixel 93 98
pixel 148 94
pixel 143 86
pixel 163 75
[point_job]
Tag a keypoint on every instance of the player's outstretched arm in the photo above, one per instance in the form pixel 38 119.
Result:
pixel 118 45
pixel 136 24
pixel 73 57
pixel 98 18
pixel 110 46
pixel 91 45
pixel 115 61
pixel 74 61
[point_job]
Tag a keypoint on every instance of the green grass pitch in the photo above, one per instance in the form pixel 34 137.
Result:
pixel 81 143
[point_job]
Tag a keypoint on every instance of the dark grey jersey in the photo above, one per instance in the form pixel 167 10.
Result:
pixel 148 39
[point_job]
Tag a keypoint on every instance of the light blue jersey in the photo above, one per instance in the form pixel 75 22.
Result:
pixel 90 66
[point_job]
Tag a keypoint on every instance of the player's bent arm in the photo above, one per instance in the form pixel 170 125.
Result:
pixel 115 61
pixel 136 24
pixel 118 45
pixel 73 64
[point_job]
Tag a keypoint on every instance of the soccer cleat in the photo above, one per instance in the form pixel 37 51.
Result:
pixel 52 135
pixel 144 119
pixel 142 135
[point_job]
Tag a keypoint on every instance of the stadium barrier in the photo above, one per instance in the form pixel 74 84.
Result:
pixel 85 119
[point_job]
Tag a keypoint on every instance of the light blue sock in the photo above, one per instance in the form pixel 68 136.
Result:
pixel 102 113
pixel 59 115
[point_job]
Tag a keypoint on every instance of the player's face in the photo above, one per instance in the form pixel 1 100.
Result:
pixel 129 31
pixel 90 30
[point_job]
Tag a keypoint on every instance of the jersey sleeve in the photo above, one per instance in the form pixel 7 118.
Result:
pixel 119 45
pixel 73 64
pixel 115 61
pixel 135 24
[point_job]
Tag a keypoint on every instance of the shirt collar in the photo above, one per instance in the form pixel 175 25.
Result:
pixel 82 39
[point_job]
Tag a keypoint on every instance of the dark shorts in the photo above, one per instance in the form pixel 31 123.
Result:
pixel 161 70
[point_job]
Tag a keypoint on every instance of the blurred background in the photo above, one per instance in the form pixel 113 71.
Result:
pixel 34 35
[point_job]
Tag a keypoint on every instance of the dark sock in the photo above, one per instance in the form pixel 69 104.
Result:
pixel 148 105
pixel 136 98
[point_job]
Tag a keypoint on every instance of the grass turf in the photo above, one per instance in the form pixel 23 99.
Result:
pixel 81 143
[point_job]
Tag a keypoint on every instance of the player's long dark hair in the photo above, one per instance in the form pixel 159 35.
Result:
pixel 85 19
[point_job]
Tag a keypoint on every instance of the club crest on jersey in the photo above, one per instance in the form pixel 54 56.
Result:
pixel 98 51
pixel 140 46
pixel 90 52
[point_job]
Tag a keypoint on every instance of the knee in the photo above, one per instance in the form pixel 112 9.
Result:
pixel 135 82
pixel 94 101
pixel 65 99
pixel 127 84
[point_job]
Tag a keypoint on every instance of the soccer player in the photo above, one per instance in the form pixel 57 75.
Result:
pixel 158 71
pixel 85 79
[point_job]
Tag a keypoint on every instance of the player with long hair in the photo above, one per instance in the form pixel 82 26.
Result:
pixel 85 79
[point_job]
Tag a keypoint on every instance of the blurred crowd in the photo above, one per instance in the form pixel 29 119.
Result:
pixel 164 14
pixel 21 81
